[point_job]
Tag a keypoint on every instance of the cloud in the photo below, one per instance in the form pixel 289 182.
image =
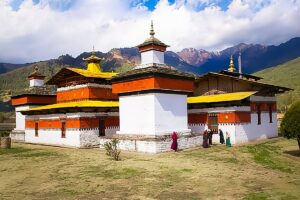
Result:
pixel 49 28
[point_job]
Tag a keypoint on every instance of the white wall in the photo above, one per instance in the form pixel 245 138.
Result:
pixel 170 113
pixel 152 57
pixel 36 82
pixel 53 137
pixel 153 114
pixel 197 128
pixel 253 131
pixel 20 119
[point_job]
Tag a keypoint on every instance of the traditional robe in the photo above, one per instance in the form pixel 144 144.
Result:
pixel 174 145
pixel 228 143
pixel 205 140
pixel 222 141
pixel 210 135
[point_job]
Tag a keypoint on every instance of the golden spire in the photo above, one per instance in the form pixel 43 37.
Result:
pixel 152 33
pixel 231 65
pixel 93 62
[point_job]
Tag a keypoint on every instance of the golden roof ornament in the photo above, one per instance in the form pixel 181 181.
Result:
pixel 231 65
pixel 93 62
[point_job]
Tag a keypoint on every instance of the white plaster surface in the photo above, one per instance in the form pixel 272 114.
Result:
pixel 20 118
pixel 152 56
pixel 153 114
pixel 36 83
pixel 156 146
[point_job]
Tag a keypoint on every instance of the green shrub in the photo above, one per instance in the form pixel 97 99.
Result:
pixel 112 150
pixel 290 125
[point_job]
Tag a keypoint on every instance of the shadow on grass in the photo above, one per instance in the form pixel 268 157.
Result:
pixel 295 153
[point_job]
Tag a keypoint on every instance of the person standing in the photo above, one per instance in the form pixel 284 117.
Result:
pixel 228 143
pixel 174 144
pixel 205 139
pixel 222 141
pixel 210 135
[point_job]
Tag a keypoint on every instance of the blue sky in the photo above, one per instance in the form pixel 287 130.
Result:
pixel 34 30
pixel 150 4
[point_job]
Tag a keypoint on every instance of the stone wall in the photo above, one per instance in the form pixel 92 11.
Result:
pixel 156 145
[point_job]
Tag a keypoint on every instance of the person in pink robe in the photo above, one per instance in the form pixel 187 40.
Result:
pixel 174 145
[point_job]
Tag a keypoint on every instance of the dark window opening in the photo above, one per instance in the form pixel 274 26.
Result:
pixel 63 129
pixel 101 127
pixel 270 113
pixel 36 129
pixel 258 114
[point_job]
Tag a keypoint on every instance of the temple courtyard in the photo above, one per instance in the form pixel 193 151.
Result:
pixel 268 169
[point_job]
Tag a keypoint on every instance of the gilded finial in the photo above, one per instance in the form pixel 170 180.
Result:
pixel 152 33
pixel 231 65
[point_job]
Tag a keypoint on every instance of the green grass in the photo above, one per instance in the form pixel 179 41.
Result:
pixel 286 75
pixel 263 170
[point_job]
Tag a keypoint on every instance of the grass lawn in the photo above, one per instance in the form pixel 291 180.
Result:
pixel 263 170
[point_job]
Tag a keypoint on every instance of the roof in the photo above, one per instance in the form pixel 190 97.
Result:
pixel 152 70
pixel 153 40
pixel 36 74
pixel 77 104
pixel 90 74
pixel 275 88
pixel 45 90
pixel 237 74
pixel 65 72
pixel 235 96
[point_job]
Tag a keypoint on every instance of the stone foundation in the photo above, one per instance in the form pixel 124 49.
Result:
pixel 152 144
pixel 17 136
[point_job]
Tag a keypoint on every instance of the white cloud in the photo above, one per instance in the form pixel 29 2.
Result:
pixel 38 32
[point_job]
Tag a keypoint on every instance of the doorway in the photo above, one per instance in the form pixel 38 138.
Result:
pixel 101 127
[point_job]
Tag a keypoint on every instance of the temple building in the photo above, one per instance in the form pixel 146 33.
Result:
pixel 143 107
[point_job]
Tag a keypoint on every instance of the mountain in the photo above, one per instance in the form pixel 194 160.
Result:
pixel 288 75
pixel 255 57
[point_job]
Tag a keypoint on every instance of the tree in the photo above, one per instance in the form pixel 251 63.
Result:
pixel 290 125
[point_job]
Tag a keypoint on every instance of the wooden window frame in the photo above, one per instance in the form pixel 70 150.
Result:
pixel 270 113
pixel 63 129
pixel 36 129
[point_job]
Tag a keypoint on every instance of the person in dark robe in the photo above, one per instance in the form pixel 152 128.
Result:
pixel 210 135
pixel 174 144
pixel 205 139
pixel 222 141
pixel 228 143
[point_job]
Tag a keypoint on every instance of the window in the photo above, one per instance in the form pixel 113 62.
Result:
pixel 101 127
pixel 63 129
pixel 213 122
pixel 270 113
pixel 258 114
pixel 36 129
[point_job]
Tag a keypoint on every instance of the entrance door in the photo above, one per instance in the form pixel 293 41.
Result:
pixel 213 122
pixel 101 127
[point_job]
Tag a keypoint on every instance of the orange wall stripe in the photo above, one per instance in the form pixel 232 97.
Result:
pixel 33 100
pixel 73 123
pixel 85 93
pixel 234 117
pixel 197 118
pixel 153 83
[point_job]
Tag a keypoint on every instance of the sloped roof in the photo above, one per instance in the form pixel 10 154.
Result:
pixel 235 96
pixel 77 104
